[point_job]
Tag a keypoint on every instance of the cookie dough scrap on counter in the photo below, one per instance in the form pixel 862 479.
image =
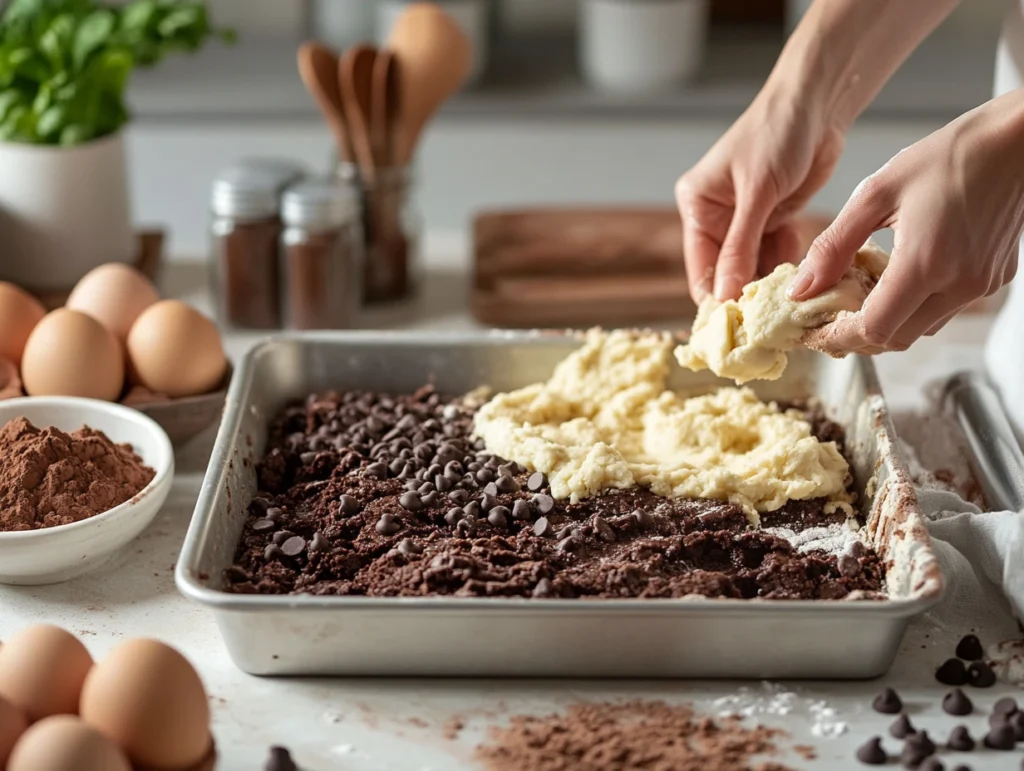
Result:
pixel 607 420
pixel 747 339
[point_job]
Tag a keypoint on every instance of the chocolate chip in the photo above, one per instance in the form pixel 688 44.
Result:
pixel 430 498
pixel 543 588
pixel 902 727
pixel 469 482
pixel 952 672
pixel 998 719
pixel 319 542
pixel 426 487
pixel 507 484
pixel 887 702
pixel 956 703
pixel 849 566
pixel 396 466
pixel 387 525
pixel 487 502
pixel 544 503
pixel 932 764
pixel 280 760
pixel 922 741
pixel 1000 738
pixel 1016 722
pixel 498 516
pixel 409 472
pixel 491 489
pixel 307 457
pixel 263 525
pixel 458 497
pixel 603 529
pixel 960 739
pixel 442 483
pixel 969 648
pixel 281 536
pixel 272 552
pixel 569 543
pixel 466 526
pixel 980 675
pixel 454 515
pixel 484 475
pixel 1005 706
pixel 274 513
pixel 411 501
pixel 856 549
pixel 542 527
pixel 407 546
pixel 537 481
pixel 258 507
pixel 962 767
pixel 422 452
pixel 522 510
pixel 348 506
pixel 294 546
pixel 411 486
pixel 912 756
pixel 643 518
pixel 377 471
pixel 472 509
pixel 474 466
pixel 871 752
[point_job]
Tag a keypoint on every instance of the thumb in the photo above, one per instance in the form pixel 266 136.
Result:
pixel 833 251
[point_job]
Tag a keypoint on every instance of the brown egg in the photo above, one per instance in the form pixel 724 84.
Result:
pixel 42 669
pixel 12 725
pixel 175 350
pixel 65 743
pixel 19 314
pixel 146 698
pixel 71 354
pixel 114 294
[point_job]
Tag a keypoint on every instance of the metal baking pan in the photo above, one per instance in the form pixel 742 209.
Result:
pixel 446 636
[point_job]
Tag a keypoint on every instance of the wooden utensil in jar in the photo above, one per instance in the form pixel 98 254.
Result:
pixel 318 68
pixel 355 72
pixel 384 103
pixel 435 57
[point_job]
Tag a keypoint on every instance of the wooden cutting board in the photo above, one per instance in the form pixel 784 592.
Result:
pixel 581 267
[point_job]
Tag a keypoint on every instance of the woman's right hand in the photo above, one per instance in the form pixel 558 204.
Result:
pixel 739 202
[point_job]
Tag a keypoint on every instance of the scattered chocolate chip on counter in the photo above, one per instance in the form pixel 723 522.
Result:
pixel 280 760
pixel 902 727
pixel 913 755
pixel 952 672
pixel 962 767
pixel 1016 722
pixel 960 740
pixel 980 675
pixel 1000 737
pixel 956 703
pixel 932 764
pixel 872 753
pixel 1005 706
pixel 887 702
pixel 969 648
pixel 387 496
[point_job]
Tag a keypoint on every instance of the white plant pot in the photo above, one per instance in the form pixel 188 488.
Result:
pixel 470 15
pixel 642 45
pixel 63 211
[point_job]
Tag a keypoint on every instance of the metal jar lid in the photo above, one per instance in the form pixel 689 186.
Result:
pixel 319 204
pixel 245 193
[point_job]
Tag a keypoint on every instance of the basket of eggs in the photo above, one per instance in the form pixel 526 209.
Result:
pixel 115 339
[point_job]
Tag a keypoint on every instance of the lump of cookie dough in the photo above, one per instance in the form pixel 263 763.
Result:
pixel 747 339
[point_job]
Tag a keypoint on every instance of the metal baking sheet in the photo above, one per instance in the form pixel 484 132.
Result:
pixel 446 636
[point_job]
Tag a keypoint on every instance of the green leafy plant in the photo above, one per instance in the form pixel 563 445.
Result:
pixel 64 64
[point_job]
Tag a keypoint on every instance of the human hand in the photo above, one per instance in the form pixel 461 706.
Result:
pixel 955 202
pixel 738 203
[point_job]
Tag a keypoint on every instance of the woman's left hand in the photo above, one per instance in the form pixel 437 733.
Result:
pixel 955 202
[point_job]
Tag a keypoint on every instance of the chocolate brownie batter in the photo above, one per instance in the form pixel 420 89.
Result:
pixel 377 495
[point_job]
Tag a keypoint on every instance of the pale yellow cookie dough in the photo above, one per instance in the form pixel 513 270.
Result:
pixel 747 339
pixel 606 420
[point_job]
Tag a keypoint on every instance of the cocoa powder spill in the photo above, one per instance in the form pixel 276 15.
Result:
pixel 649 735
pixel 49 478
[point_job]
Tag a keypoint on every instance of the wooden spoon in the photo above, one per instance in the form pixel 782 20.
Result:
pixel 435 56
pixel 384 116
pixel 318 68
pixel 356 77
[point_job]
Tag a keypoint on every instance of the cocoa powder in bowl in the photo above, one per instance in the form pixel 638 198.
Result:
pixel 50 478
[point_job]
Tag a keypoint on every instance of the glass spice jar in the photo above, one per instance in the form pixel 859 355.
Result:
pixel 391 231
pixel 245 231
pixel 322 255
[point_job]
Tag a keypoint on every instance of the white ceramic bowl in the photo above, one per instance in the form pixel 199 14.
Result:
pixel 55 554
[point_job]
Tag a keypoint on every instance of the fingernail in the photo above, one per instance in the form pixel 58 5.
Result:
pixel 800 285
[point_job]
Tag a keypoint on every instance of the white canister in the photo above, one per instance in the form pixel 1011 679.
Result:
pixel 472 16
pixel 63 211
pixel 642 45
pixel 340 23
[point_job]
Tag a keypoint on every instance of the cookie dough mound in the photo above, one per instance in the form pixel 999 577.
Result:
pixel 747 339
pixel 606 420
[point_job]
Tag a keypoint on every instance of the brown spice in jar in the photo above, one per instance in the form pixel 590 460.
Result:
pixel 320 272
pixel 247 256
pixel 649 735
pixel 49 478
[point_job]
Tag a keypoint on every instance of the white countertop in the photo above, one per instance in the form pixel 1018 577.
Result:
pixel 397 724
